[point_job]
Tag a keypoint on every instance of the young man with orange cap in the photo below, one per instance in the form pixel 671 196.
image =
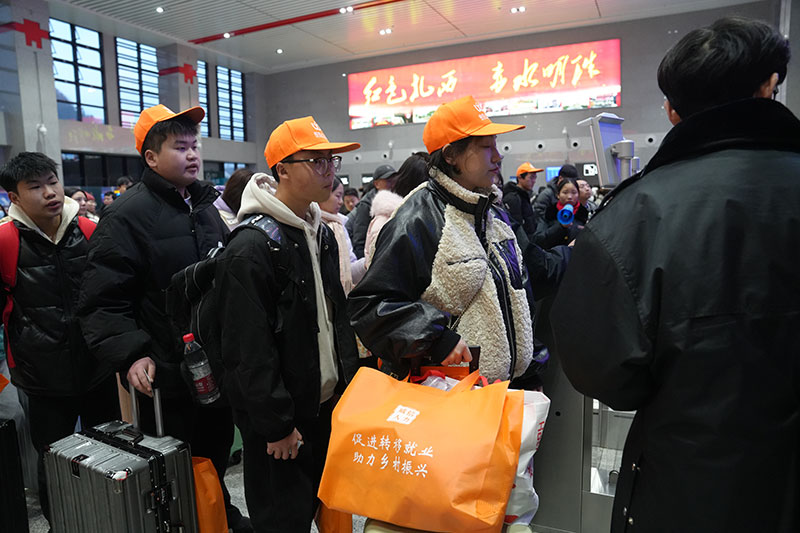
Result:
pixel 447 271
pixel 287 345
pixel 161 224
pixel 517 197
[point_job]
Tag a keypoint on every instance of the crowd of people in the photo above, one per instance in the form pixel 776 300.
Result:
pixel 315 281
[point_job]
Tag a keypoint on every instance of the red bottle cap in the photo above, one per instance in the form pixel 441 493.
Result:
pixel 189 337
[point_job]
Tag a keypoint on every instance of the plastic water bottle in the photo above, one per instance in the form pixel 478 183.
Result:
pixel 205 386
pixel 566 214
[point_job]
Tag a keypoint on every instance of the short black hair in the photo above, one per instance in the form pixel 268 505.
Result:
pixel 124 180
pixel 350 192
pixel 71 191
pixel 109 193
pixel 568 171
pixel 160 131
pixel 23 167
pixel 721 63
pixel 456 148
pixel 274 171
pixel 413 171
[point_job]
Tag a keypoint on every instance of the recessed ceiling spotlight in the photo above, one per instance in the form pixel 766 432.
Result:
pixel 521 9
pixel 349 9
pixel 388 31
pixel 344 74
pixel 342 10
pixel 159 9
pixel 382 32
pixel 279 51
pixel 226 35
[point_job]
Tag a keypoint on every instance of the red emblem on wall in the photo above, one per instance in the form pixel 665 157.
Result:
pixel 32 30
pixel 187 70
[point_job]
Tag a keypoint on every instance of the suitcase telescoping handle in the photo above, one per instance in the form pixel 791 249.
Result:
pixel 156 405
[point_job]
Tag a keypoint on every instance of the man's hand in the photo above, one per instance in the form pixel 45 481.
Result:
pixel 138 375
pixel 460 354
pixel 287 447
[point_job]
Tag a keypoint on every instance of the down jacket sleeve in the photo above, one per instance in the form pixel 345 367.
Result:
pixel 385 308
pixel 616 368
pixel 112 279
pixel 249 316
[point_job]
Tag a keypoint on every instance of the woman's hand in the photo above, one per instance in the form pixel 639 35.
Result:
pixel 460 354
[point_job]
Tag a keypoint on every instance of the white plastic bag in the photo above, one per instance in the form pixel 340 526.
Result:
pixel 524 502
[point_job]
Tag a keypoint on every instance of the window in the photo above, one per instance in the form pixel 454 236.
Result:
pixel 219 172
pixel 137 71
pixel 230 103
pixel 202 89
pixel 96 171
pixel 230 168
pixel 78 72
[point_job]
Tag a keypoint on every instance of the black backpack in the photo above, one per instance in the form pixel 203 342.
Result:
pixel 193 303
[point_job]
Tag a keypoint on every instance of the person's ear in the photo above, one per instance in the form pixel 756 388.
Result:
pixel 767 89
pixel 151 157
pixel 14 197
pixel 280 168
pixel 447 153
pixel 672 115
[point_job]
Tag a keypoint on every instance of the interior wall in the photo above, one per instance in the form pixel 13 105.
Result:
pixel 322 92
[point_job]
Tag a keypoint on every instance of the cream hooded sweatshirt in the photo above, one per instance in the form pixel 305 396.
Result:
pixel 259 197
pixel 69 212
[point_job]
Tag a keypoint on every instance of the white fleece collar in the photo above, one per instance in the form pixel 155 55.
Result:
pixel 69 212
pixel 451 186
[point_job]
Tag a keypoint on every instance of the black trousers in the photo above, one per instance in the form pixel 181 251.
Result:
pixel 282 494
pixel 53 417
pixel 207 429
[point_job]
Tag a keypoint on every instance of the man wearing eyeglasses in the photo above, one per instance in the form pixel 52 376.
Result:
pixel 287 344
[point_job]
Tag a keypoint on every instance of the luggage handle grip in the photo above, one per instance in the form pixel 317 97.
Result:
pixel 156 406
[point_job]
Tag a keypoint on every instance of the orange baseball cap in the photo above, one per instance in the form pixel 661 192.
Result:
pixel 160 113
pixel 300 134
pixel 527 167
pixel 458 119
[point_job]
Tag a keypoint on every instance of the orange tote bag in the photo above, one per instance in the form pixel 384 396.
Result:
pixel 423 458
pixel 211 516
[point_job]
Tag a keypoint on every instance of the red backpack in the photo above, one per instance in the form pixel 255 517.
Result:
pixel 9 256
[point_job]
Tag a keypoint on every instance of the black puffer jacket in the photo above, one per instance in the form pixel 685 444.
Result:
pixel 145 237
pixel 517 202
pixel 48 354
pixel 550 232
pixel 269 327
pixel 685 289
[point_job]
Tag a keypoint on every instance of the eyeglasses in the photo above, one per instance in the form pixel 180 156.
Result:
pixel 321 164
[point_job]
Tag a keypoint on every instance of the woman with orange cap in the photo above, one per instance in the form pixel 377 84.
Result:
pixel 447 272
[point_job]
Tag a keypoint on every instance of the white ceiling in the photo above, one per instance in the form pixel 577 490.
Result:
pixel 415 24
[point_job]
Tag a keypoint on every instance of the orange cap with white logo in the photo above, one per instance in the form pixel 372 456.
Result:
pixel 459 119
pixel 526 167
pixel 301 134
pixel 160 113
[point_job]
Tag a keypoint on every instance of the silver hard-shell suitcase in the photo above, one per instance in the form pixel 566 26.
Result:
pixel 114 479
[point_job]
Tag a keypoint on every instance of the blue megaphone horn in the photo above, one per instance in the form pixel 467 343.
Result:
pixel 566 214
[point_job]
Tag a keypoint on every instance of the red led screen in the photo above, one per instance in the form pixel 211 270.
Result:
pixel 557 78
